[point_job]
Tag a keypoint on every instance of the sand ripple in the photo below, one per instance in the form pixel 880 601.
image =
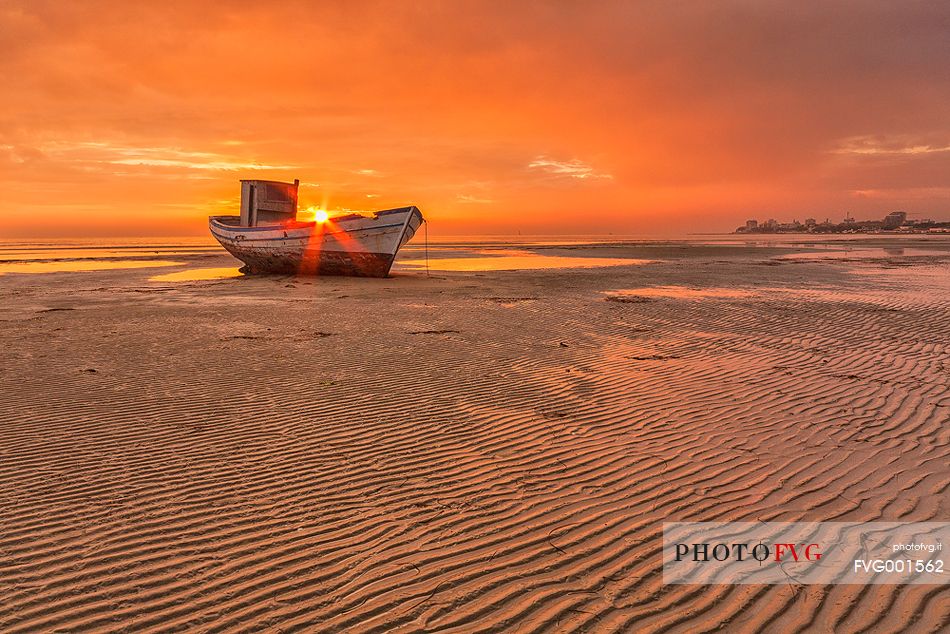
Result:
pixel 492 465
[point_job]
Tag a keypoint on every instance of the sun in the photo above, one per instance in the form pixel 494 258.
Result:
pixel 314 214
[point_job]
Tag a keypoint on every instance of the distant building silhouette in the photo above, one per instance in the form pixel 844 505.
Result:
pixel 894 219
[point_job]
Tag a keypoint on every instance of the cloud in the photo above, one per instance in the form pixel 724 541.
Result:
pixel 473 200
pixel 107 153
pixel 571 169
pixel 903 194
pixel 209 164
pixel 870 145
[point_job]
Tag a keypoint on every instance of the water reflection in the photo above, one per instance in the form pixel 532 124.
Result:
pixel 193 275
pixel 864 254
pixel 65 266
pixel 21 255
pixel 521 262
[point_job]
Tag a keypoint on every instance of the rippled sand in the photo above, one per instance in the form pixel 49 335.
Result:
pixel 467 451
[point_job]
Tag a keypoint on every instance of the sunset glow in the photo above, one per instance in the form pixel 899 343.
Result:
pixel 496 118
pixel 625 316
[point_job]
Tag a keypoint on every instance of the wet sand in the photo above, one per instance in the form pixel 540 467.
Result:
pixel 473 450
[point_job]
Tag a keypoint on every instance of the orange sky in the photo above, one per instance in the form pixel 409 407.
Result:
pixel 494 117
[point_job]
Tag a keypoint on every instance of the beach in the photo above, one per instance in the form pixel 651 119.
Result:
pixel 489 444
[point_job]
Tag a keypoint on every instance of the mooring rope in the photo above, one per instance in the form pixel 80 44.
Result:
pixel 426 223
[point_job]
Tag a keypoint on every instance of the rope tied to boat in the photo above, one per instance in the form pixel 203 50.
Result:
pixel 426 223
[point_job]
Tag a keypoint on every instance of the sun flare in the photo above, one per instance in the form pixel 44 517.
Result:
pixel 314 214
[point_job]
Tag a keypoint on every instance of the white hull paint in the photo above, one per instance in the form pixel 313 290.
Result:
pixel 348 245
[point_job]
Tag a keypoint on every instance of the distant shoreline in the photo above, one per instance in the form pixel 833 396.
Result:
pixel 930 231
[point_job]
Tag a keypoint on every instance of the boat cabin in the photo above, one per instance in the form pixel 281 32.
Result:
pixel 268 202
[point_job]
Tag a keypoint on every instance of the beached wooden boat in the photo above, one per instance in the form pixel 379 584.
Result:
pixel 269 238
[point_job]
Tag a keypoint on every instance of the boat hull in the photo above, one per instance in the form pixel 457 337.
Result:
pixel 351 245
